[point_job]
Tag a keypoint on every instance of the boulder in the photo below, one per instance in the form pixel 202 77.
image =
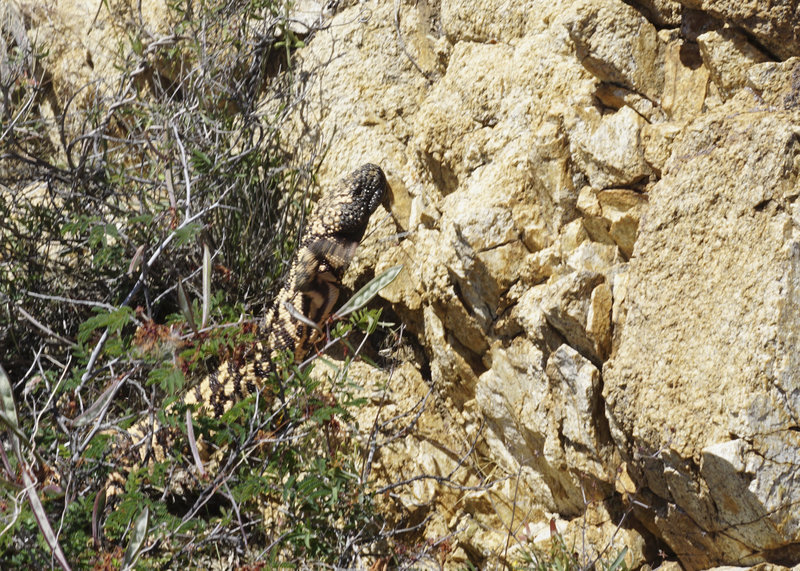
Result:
pixel 702 390
pixel 773 23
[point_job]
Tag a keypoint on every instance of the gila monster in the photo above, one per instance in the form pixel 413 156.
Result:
pixel 335 228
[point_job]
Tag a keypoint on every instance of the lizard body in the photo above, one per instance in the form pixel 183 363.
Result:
pixel 311 289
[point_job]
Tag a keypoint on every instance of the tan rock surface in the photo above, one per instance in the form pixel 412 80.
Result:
pixel 84 40
pixel 711 303
pixel 595 203
pixel 774 84
pixel 686 82
pixel 728 55
pixel 607 147
pixel 527 159
pixel 484 20
pixel 772 22
pixel 662 13
pixel 618 45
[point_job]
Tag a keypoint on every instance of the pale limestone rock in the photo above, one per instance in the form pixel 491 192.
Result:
pixel 598 319
pixel 623 209
pixel 616 97
pixel 686 81
pixel 594 223
pixel 531 318
pixel 607 147
pixel 362 102
pixel 515 284
pixel 733 472
pixel 593 257
pixel 444 304
pixel 16 53
pixel 772 23
pixel 567 305
pixel 82 41
pixel 484 220
pixel 575 384
pixel 589 206
pixel 515 396
pixel 400 201
pixel 541 265
pixel 619 289
pixel 306 15
pixel 452 373
pixel 728 55
pixel 406 289
pixel 715 317
pixel 572 235
pixel 459 115
pixel 541 533
pixel 774 84
pixel 618 45
pixel 612 216
pixel 516 384
pixel 543 423
pixel 422 213
pixel 432 448
pixel 599 527
pixel 662 13
pixel 484 20
pixel 657 140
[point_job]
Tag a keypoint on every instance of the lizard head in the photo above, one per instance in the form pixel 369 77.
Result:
pixel 358 195
pixel 329 243
pixel 337 226
pixel 344 212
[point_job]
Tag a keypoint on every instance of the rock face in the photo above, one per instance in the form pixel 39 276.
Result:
pixel 773 23
pixel 599 223
pixel 727 248
pixel 596 204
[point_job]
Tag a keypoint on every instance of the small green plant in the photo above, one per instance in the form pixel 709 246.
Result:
pixel 560 557
pixel 304 471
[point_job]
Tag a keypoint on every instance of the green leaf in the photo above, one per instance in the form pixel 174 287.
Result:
pixel 140 529
pixel 366 293
pixel 41 519
pixel 186 307
pixel 137 46
pixel 168 377
pixel 9 417
pixel 97 407
pixel 97 509
pixel 145 219
pixel 201 161
pixel 114 320
pixel 7 406
pixel 619 562
pixel 193 443
pixel 111 230
pixel 186 234
pixel 137 258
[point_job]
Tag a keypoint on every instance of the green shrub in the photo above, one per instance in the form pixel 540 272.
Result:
pixel 103 252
